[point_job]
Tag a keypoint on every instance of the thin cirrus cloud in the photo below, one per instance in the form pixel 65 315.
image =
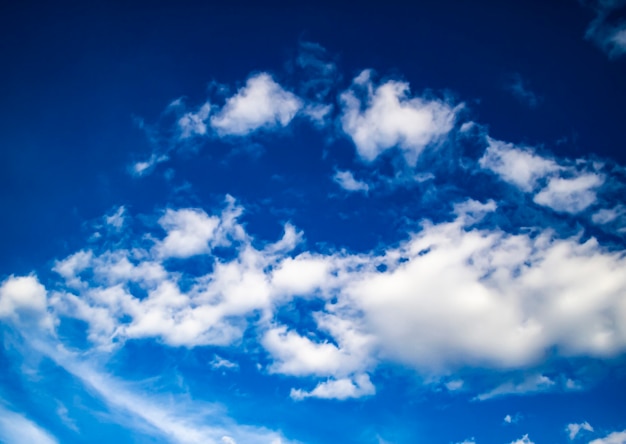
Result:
pixel 17 429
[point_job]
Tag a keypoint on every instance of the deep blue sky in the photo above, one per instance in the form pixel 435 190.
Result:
pixel 478 254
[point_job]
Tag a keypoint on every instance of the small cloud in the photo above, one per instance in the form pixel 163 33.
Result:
pixel 116 220
pixel 570 384
pixel 574 429
pixel 532 384
pixel 570 195
pixel 607 215
pixel 338 389
pixel 467 126
pixel 508 419
pixel 523 440
pixel 454 385
pixel 346 180
pixel 261 103
pixel 195 123
pixel 219 362
pixel 516 165
pixel 385 116
pixel 144 167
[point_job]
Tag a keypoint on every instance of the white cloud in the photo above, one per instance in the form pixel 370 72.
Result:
pixel 531 384
pixel 144 167
pixel 17 429
pixel 346 180
pixel 341 389
pixel 607 215
pixel 219 362
pixel 261 103
pixel 24 300
pixel 571 195
pixel 574 429
pixel 116 220
pixel 518 166
pixel 195 123
pixel 508 419
pixel 523 440
pixel 449 296
pixel 387 117
pixel 188 232
pixel 613 438
pixel 454 385
pixel 568 189
pixel 300 356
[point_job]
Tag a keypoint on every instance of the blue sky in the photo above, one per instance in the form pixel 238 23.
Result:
pixel 319 223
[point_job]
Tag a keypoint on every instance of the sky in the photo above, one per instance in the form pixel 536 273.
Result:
pixel 326 222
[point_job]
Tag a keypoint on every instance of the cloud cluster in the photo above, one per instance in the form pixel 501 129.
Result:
pixel 559 186
pixel 452 295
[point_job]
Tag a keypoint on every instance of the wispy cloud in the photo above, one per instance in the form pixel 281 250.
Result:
pixel 605 30
pixel 17 429
pixel 531 384
pixel 522 92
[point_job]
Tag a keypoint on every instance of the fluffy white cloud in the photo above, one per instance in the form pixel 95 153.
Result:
pixel 261 103
pixel 386 117
pixel 188 232
pixel 571 195
pixel 346 180
pixel 300 356
pixel 574 429
pixel 613 438
pixel 340 389
pixel 17 429
pixel 523 440
pixel 518 166
pixel 24 300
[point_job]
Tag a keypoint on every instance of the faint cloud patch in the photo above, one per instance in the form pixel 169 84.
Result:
pixel 520 89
